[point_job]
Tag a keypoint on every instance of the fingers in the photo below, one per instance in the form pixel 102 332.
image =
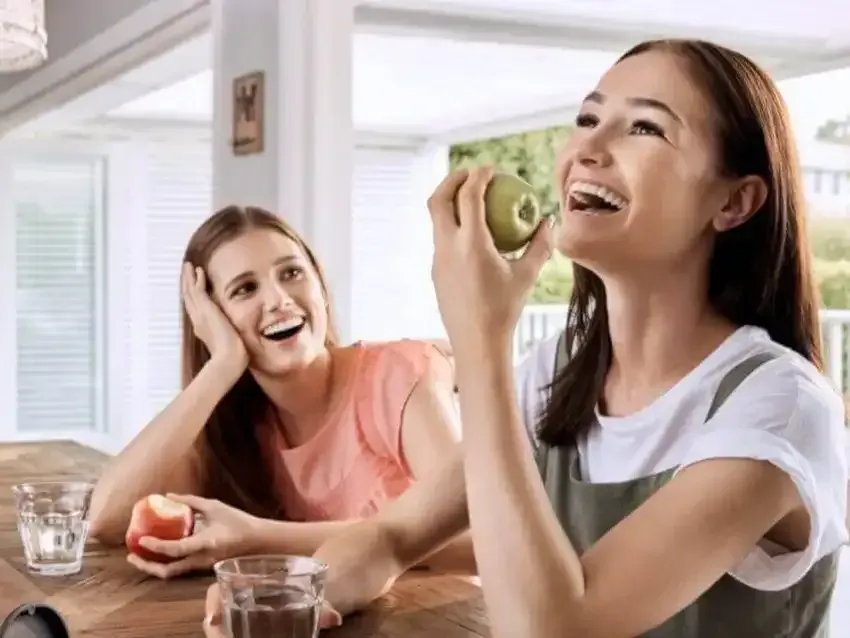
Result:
pixel 329 617
pixel 470 199
pixel 197 503
pixel 539 250
pixel 441 204
pixel 213 630
pixel 180 548
pixel 212 604
pixel 166 571
pixel 187 282
pixel 200 281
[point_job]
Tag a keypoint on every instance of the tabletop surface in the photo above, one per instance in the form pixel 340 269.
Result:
pixel 111 599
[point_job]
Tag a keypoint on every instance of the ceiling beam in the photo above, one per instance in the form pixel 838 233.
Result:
pixel 450 21
pixel 830 60
pixel 563 111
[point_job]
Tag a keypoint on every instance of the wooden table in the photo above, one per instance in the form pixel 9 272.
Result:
pixel 111 599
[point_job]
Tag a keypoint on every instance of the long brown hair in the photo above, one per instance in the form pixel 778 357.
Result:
pixel 232 466
pixel 760 272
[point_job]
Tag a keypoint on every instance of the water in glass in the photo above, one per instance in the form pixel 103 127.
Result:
pixel 271 596
pixel 53 525
pixel 289 612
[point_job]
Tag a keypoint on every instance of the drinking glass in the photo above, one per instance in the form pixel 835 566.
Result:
pixel 271 596
pixel 53 524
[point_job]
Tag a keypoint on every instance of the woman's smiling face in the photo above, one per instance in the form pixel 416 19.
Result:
pixel 639 180
pixel 268 289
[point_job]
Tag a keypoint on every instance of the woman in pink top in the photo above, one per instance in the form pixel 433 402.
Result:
pixel 277 421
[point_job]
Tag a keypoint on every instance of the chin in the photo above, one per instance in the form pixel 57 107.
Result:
pixel 592 244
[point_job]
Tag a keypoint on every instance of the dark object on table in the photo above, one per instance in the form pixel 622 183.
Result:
pixel 34 620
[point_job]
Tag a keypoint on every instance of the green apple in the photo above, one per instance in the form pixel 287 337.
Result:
pixel 512 211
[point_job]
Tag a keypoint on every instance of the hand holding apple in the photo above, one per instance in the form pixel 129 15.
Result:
pixel 159 517
pixel 225 532
pixel 481 294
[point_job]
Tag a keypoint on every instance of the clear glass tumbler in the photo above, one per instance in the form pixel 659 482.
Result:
pixel 271 596
pixel 53 524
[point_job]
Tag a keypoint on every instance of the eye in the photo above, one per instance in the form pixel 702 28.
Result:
pixel 244 289
pixel 645 127
pixel 586 120
pixel 290 273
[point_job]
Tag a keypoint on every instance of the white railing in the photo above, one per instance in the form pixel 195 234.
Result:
pixel 539 322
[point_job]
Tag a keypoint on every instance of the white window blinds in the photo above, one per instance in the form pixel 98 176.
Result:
pixel 58 320
pixel 179 199
pixel 393 294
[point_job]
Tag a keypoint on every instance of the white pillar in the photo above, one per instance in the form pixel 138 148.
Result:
pixel 304 47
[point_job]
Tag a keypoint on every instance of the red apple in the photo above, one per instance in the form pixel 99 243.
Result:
pixel 162 518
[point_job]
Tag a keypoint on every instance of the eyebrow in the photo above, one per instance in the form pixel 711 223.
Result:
pixel 248 273
pixel 645 102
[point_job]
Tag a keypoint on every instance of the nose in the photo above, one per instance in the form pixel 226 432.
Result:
pixel 276 297
pixel 592 151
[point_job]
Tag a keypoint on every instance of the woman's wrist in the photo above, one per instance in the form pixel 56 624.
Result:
pixel 263 536
pixel 226 369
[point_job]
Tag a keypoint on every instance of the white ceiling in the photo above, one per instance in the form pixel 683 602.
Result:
pixel 434 67
pixel 784 18
pixel 422 85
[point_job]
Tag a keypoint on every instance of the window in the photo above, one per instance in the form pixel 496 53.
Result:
pixel 178 199
pixel 57 203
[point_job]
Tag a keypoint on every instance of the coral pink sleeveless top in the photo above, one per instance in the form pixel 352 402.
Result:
pixel 354 463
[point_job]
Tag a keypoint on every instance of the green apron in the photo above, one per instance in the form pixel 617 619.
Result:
pixel 729 609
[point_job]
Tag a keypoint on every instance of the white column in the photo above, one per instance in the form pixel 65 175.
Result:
pixel 304 47
pixel 8 310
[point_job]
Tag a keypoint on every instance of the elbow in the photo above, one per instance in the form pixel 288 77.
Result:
pixel 105 531
pixel 106 524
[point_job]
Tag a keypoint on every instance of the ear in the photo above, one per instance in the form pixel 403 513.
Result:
pixel 746 197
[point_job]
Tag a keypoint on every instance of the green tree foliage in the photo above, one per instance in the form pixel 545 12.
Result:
pixel 830 241
pixel 532 156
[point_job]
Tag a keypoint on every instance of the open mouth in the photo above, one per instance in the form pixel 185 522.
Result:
pixel 283 330
pixel 594 199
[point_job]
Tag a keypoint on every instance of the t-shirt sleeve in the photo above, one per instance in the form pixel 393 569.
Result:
pixel 532 377
pixel 793 419
pixel 391 373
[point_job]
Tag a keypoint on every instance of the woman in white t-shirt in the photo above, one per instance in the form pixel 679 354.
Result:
pixel 685 473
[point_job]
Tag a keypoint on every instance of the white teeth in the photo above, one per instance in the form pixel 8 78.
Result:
pixel 586 188
pixel 281 326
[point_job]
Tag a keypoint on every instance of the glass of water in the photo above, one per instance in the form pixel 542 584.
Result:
pixel 53 524
pixel 271 596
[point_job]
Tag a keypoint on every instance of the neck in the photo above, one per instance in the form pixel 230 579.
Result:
pixel 301 398
pixel 661 328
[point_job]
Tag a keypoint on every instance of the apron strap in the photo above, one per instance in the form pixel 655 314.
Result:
pixel 541 450
pixel 736 377
pixel 730 382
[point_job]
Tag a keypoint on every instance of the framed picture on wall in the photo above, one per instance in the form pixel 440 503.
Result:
pixel 248 113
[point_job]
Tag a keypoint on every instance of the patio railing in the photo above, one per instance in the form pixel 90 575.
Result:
pixel 541 321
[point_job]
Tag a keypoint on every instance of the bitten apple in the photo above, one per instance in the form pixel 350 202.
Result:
pixel 512 211
pixel 160 517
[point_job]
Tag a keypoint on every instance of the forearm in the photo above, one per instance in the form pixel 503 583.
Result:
pixel 165 442
pixel 527 589
pixel 425 524
pixel 303 539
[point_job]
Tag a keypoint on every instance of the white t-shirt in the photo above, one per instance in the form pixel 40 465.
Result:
pixel 785 412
